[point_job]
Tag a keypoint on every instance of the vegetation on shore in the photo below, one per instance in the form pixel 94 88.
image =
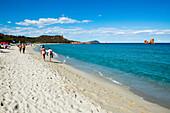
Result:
pixel 40 39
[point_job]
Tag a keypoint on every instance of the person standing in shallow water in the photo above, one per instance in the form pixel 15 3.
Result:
pixel 43 52
pixel 23 48
pixel 20 48
pixel 50 53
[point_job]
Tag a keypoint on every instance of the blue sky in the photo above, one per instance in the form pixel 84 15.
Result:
pixel 86 20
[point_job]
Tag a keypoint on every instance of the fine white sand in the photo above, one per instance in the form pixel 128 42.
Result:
pixel 29 85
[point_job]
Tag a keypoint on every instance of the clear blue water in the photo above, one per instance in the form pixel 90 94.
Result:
pixel 144 68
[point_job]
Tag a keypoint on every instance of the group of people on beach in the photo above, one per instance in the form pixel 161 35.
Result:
pixel 4 46
pixel 22 48
pixel 48 52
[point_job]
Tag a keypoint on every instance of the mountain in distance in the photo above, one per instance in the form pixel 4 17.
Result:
pixel 95 42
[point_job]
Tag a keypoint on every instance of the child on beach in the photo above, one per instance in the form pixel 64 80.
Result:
pixel 50 53
pixel 43 52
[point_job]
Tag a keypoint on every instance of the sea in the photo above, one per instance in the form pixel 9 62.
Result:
pixel 143 69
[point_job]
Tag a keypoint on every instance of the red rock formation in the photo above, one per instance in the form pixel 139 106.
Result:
pixel 146 42
pixel 152 41
pixel 76 43
pixel 73 42
pixel 88 43
pixel 79 43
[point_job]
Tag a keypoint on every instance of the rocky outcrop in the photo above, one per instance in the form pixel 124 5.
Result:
pixel 88 43
pixel 152 41
pixel 146 42
pixel 76 43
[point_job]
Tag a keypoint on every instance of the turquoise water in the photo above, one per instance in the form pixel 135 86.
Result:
pixel 143 68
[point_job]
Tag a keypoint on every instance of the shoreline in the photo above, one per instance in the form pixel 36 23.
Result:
pixel 106 84
pixel 140 94
pixel 101 93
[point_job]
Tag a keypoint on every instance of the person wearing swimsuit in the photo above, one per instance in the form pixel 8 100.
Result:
pixel 23 48
pixel 20 48
pixel 50 54
pixel 43 52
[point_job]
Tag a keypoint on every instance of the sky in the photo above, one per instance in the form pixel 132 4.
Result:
pixel 114 21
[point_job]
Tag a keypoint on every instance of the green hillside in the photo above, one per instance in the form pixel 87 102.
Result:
pixel 40 39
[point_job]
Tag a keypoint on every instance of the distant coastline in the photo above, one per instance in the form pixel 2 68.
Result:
pixel 56 39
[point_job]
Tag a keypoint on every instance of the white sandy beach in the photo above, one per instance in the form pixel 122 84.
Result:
pixel 29 85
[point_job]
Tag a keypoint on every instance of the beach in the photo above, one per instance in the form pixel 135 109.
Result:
pixel 29 85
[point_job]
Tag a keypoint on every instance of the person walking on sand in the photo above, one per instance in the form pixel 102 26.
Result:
pixel 20 48
pixel 50 53
pixel 43 52
pixel 23 48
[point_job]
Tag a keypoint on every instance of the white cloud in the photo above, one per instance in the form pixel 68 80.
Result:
pixel 9 22
pixel 66 20
pixel 86 21
pixel 86 34
pixel 152 31
pixel 99 15
pixel 49 21
pixel 40 26
pixel 143 31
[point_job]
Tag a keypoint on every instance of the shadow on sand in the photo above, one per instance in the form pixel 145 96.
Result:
pixel 4 52
pixel 56 62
